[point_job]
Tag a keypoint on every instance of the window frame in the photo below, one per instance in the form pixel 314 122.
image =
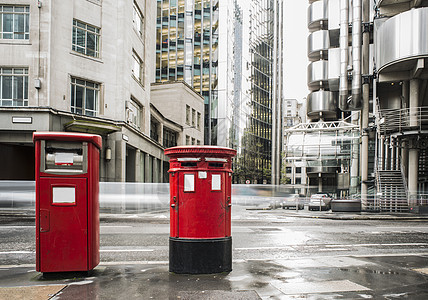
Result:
pixel 14 73
pixel 86 86
pixel 187 114
pixel 14 13
pixel 137 61
pixel 74 37
pixel 137 12
pixel 131 113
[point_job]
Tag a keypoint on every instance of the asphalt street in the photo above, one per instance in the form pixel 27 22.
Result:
pixel 277 254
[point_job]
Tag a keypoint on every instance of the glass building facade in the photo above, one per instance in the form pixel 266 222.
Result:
pixel 225 51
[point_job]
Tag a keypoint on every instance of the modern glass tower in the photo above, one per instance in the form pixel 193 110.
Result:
pixel 228 51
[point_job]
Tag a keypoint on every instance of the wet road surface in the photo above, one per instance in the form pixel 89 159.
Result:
pixel 276 255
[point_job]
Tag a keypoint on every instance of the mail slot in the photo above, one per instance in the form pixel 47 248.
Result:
pixel 200 209
pixel 67 207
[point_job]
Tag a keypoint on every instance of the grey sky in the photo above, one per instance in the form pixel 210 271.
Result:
pixel 295 49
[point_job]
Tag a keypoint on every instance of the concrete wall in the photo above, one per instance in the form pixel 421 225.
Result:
pixel 171 100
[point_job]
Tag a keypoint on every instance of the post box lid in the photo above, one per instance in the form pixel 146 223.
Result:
pixel 200 151
pixel 69 136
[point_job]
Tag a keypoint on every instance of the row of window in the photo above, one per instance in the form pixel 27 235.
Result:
pixel 14 24
pixel 193 117
pixel 192 141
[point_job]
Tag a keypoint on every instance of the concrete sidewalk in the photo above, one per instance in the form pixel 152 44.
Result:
pixel 314 278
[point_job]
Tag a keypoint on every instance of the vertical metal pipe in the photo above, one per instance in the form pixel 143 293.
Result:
pixel 344 43
pixel 356 54
pixel 365 108
pixel 382 153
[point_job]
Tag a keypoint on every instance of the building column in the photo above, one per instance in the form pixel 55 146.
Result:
pixel 110 165
pixel 148 169
pixel 381 161
pixel 393 154
pixel 405 158
pixel 120 159
pixel 161 175
pixel 413 151
pixel 413 175
pixel 414 102
pixel 319 183
pixel 138 175
pixel 387 158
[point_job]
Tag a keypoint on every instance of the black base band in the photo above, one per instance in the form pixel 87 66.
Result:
pixel 200 256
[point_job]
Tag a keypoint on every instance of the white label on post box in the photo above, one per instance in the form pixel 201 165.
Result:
pixel 63 195
pixel 189 182
pixel 62 158
pixel 216 182
pixel 202 175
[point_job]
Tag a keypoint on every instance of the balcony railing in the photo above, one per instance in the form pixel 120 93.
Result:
pixel 402 120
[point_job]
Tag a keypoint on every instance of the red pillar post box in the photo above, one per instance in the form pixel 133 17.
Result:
pixel 67 207
pixel 200 204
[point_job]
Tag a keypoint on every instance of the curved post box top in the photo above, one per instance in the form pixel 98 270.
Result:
pixel 200 151
pixel 69 136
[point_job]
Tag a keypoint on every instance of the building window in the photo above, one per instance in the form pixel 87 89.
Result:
pixel 187 114
pixel 198 142
pixel 133 113
pixel 14 22
pixel 154 127
pixel 84 97
pixel 298 180
pixel 169 138
pixel 288 170
pixel 86 39
pixel 193 117
pixel 198 122
pixel 193 141
pixel 138 20
pixel 187 140
pixel 137 67
pixel 13 87
pixel 298 170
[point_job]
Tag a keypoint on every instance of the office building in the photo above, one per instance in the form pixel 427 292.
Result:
pixel 368 80
pixel 86 66
pixel 230 53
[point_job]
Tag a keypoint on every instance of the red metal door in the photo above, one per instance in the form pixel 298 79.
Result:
pixel 63 243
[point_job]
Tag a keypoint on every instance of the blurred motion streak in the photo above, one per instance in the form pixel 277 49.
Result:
pixel 126 197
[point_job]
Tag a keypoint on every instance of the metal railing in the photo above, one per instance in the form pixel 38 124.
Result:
pixel 401 120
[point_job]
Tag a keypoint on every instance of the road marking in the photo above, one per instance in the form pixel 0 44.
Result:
pixel 17 252
pixel 316 287
pixel 146 262
pixel 127 250
pixel 341 247
pixel 266 248
pixel 115 226
pixel 16 227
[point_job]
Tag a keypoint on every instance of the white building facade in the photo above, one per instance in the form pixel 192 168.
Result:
pixel 85 66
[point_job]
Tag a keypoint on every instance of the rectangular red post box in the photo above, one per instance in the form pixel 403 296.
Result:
pixel 67 207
